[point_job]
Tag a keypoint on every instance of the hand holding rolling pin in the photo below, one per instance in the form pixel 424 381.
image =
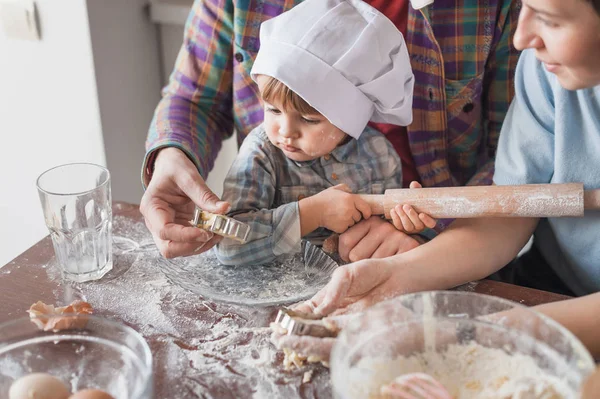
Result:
pixel 405 218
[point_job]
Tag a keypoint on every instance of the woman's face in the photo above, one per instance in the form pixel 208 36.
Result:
pixel 566 37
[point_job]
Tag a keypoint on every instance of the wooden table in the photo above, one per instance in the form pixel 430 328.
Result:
pixel 200 348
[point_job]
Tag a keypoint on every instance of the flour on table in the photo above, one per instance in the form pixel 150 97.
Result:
pixel 201 349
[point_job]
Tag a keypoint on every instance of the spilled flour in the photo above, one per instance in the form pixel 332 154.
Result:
pixel 201 349
pixel 468 371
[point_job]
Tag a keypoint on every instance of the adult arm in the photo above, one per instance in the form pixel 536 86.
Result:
pixel 185 134
pixel 579 315
pixel 196 111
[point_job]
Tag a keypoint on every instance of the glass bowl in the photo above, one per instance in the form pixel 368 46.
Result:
pixel 477 346
pixel 87 353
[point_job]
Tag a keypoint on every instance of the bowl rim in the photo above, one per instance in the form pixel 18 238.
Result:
pixel 147 358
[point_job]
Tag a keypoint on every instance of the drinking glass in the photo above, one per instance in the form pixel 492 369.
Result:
pixel 76 202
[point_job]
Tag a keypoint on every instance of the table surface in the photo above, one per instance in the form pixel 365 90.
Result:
pixel 201 349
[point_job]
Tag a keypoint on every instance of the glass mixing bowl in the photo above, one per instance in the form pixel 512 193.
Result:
pixel 91 353
pixel 477 346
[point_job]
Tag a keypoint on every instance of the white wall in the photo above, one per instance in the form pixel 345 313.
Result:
pixel 127 63
pixel 48 116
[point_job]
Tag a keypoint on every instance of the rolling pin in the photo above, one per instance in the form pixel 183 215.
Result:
pixel 529 200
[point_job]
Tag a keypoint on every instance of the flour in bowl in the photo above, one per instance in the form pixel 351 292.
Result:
pixel 470 371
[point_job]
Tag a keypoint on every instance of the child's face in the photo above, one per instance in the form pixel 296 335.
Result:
pixel 300 137
pixel 566 37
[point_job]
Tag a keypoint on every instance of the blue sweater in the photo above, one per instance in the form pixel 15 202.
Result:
pixel 552 135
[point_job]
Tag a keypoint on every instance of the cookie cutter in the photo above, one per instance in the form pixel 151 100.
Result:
pixel 222 225
pixel 297 323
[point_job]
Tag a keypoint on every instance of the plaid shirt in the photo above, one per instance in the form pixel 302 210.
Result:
pixel 460 54
pixel 264 186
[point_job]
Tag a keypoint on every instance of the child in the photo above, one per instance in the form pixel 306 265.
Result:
pixel 322 81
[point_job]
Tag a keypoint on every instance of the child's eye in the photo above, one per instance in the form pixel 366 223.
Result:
pixel 311 121
pixel 274 111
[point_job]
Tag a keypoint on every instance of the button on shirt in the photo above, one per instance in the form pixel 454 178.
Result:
pixel 263 187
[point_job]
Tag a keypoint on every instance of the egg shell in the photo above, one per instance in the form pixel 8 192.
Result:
pixel 91 394
pixel 38 386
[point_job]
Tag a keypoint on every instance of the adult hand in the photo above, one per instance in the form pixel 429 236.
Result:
pixel 317 348
pixel 168 205
pixel 357 286
pixel 374 238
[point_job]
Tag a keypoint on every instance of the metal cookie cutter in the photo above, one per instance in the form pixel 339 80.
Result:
pixel 297 323
pixel 221 225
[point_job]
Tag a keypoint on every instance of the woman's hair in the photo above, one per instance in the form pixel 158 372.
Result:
pixel 596 4
pixel 275 92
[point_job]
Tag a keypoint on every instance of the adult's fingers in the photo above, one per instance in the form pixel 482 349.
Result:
pixel 351 237
pixel 196 189
pixel 157 213
pixel 387 248
pixel 365 248
pixel 172 249
pixel 353 280
pixel 178 233
pixel 406 244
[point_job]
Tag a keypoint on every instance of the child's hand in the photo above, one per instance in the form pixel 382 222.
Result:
pixel 337 208
pixel 406 219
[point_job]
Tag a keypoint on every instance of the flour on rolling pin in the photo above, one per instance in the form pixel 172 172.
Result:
pixel 531 200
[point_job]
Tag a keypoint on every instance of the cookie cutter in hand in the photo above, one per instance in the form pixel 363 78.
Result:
pixel 297 323
pixel 221 225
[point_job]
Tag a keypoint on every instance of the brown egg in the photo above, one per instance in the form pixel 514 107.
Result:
pixel 91 394
pixel 38 386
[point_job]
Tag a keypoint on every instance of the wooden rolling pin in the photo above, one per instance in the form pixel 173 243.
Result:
pixel 530 200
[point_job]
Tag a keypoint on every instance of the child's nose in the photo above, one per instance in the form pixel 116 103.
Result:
pixel 287 129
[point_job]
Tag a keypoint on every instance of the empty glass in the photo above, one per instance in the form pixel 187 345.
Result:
pixel 77 209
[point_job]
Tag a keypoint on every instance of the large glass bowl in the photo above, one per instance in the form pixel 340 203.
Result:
pixel 473 344
pixel 93 353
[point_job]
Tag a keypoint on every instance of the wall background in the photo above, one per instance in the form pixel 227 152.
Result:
pixel 84 93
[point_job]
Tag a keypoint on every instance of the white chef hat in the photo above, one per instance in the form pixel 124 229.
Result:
pixel 344 58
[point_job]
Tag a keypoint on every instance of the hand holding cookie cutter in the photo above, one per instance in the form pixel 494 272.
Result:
pixel 297 323
pixel 221 225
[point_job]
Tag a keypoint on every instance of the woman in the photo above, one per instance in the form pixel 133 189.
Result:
pixel 551 135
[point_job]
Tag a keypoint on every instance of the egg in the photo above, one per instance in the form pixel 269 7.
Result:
pixel 90 394
pixel 38 386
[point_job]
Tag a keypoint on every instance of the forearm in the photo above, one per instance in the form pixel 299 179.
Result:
pixel 470 249
pixel 195 113
pixel 579 315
